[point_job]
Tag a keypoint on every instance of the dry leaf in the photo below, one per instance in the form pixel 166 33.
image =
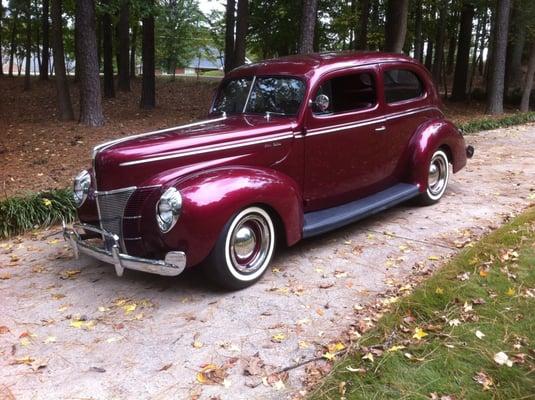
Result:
pixel 501 358
pixel 211 374
pixel 419 333
pixel 4 330
pixel 278 337
pixel 480 335
pixel 483 379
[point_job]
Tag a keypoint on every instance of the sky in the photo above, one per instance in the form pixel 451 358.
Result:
pixel 209 5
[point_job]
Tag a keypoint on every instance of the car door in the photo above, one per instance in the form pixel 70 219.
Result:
pixel 344 143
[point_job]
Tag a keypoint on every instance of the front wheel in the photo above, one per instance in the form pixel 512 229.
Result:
pixel 243 250
pixel 437 179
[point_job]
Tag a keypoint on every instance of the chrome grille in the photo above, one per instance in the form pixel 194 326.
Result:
pixel 111 207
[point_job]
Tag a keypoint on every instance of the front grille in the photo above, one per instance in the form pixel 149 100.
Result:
pixel 111 207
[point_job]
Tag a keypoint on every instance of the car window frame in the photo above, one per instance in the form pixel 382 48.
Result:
pixel 407 67
pixel 369 68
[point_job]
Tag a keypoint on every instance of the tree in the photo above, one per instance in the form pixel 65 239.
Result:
pixel 515 48
pixel 496 83
pixel 230 25
pixel 90 100
pixel 65 112
pixel 460 77
pixel 308 24
pixel 124 47
pixel 1 25
pixel 148 84
pixel 107 51
pixel 14 27
pixel 28 52
pixel 362 28
pixel 528 86
pixel 135 28
pixel 418 38
pixel 242 24
pixel 45 52
pixel 396 25
pixel 440 41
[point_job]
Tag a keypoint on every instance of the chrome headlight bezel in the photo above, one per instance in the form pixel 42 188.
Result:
pixel 80 189
pixel 168 209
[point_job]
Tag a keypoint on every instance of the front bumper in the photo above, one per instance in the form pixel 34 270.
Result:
pixel 173 265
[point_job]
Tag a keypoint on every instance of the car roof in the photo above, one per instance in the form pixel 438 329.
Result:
pixel 317 63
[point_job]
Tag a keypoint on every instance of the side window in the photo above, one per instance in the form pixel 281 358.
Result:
pixel 348 93
pixel 402 84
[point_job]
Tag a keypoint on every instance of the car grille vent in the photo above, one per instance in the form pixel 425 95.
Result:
pixel 111 208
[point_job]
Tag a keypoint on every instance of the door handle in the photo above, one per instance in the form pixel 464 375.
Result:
pixel 380 129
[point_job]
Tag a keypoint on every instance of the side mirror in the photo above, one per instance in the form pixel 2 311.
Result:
pixel 322 103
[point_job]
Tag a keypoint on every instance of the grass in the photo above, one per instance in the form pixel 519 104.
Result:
pixel 446 361
pixel 486 124
pixel 21 214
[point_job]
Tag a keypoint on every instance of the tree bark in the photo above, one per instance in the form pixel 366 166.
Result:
pixel 90 99
pixel 13 48
pixel 418 38
pixel 230 24
pixel 362 29
pixel 429 54
pixel 1 54
pixel 135 28
pixel 440 41
pixel 45 52
pixel 65 112
pixel 28 52
pixel 528 86
pixel 242 24
pixel 308 26
pixel 99 40
pixel 495 94
pixel 148 85
pixel 396 25
pixel 107 50
pixel 460 78
pixel 124 47
pixel 513 72
pixel 452 43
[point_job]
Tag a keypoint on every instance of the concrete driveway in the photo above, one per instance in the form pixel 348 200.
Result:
pixel 72 329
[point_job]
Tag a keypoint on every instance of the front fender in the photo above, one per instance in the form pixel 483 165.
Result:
pixel 211 198
pixel 431 136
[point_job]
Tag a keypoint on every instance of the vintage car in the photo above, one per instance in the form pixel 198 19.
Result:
pixel 292 148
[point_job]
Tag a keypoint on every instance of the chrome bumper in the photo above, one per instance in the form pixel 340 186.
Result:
pixel 173 265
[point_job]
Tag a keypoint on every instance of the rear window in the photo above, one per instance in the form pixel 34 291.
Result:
pixel 401 85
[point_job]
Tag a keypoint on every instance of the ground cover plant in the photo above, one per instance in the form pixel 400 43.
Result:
pixel 465 333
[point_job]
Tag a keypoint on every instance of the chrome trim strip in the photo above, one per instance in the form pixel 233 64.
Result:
pixel 134 217
pixel 115 191
pixel 209 149
pixel 249 94
pixel 132 239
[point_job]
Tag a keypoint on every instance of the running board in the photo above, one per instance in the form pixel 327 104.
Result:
pixel 318 222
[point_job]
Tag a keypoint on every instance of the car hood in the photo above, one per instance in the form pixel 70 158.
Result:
pixel 131 161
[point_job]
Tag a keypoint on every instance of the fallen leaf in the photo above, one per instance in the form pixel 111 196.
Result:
pixel 433 258
pixel 502 359
pixel 278 337
pixel 484 380
pixel 211 374
pixel 395 348
pixel 5 277
pixel 480 335
pixel 97 369
pixel 70 274
pixel 454 322
pixel 165 367
pixel 328 356
pixel 336 347
pixel 4 330
pixel 439 290
pixel 369 357
pixel 510 292
pixel 129 308
pixel 464 276
pixel 419 333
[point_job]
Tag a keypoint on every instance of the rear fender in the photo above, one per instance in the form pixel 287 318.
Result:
pixel 431 136
pixel 211 198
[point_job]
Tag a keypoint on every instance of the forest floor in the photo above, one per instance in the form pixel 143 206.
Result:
pixel 73 329
pixel 37 152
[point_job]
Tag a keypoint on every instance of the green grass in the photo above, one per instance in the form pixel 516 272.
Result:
pixel 21 214
pixel 486 124
pixel 506 319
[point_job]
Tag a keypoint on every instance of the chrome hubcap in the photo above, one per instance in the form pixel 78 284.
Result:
pixel 438 174
pixel 250 243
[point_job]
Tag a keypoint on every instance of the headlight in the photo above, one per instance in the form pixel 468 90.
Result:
pixel 168 209
pixel 81 187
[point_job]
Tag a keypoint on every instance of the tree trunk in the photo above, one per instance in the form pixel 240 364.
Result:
pixel 99 40
pixel 133 51
pixel 65 112
pixel 418 38
pixel 440 41
pixel 460 78
pixel 1 54
pixel 362 29
pixel 148 85
pixel 90 100
pixel 124 46
pixel 528 86
pixel 242 24
pixel 107 50
pixel 513 72
pixel 230 24
pixel 45 53
pixel 308 25
pixel 495 94
pixel 28 52
pixel 452 43
pixel 429 54
pixel 396 25
pixel 13 48
pixel 483 39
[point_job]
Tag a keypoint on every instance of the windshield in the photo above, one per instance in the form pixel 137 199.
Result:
pixel 274 95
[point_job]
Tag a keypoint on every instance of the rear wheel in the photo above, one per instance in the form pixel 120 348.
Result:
pixel 243 250
pixel 437 179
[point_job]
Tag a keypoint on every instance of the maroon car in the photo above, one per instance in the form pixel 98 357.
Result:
pixel 293 148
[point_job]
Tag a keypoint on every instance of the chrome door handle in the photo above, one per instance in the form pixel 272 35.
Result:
pixel 380 129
